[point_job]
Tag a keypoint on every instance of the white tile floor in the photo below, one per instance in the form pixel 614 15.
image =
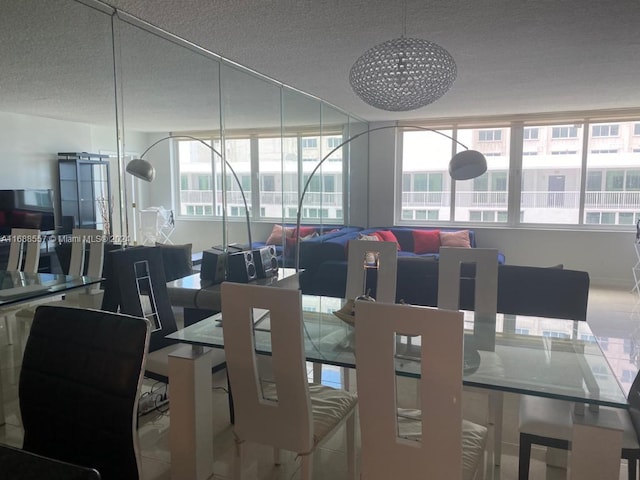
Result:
pixel 611 311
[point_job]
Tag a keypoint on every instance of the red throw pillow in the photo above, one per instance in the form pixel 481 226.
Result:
pixel 305 232
pixel 426 241
pixel 386 236
pixel 455 239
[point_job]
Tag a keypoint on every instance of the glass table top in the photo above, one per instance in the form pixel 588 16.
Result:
pixel 16 287
pixel 540 356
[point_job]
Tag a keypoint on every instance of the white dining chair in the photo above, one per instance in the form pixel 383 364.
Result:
pixel 362 255
pixel 289 413
pixel 24 256
pixel 365 254
pixel 24 250
pixel 485 297
pixel 87 258
pixel 434 441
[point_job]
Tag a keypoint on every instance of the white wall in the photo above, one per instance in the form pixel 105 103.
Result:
pixel 29 148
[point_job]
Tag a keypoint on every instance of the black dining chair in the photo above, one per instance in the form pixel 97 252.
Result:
pixel 135 283
pixel 79 388
pixel 17 464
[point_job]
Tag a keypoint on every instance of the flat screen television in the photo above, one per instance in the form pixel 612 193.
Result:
pixel 27 208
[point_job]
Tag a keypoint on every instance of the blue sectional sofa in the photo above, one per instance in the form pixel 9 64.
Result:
pixel 314 234
pixel 542 291
pixel 334 248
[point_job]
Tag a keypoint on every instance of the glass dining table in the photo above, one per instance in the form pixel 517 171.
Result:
pixel 22 287
pixel 547 357
pixel 539 356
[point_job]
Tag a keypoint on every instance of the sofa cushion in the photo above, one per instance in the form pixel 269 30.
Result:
pixel 304 232
pixel 278 233
pixel 426 241
pixel 455 239
pixel 386 236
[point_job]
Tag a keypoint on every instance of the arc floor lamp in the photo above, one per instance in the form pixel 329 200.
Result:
pixel 144 170
pixel 464 165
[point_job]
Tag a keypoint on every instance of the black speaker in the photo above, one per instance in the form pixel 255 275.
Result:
pixel 266 261
pixel 213 265
pixel 242 268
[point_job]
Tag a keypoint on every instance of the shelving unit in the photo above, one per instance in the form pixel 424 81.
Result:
pixel 85 190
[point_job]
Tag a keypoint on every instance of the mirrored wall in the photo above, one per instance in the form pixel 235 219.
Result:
pixel 79 76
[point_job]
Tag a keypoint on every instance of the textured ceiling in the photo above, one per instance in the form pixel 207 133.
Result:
pixel 513 56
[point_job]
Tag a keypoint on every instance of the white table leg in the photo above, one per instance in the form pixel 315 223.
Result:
pixel 2 420
pixel 496 401
pixel 595 452
pixel 191 414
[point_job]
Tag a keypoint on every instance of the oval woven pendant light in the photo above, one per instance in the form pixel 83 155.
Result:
pixel 403 74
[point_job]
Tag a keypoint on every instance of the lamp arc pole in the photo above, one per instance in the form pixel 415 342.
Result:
pixel 233 172
pixel 476 157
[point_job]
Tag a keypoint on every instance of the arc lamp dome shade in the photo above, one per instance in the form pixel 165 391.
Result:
pixel 467 164
pixel 141 169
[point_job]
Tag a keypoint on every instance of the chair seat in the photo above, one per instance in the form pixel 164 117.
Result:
pixel 329 406
pixel 158 360
pixel 474 439
pixel 551 418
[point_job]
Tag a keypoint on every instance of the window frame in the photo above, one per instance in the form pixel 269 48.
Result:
pixel 620 130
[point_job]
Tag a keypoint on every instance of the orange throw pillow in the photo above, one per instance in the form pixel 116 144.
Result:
pixel 455 239
pixel 278 233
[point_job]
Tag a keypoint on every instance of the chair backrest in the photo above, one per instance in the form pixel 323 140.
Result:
pixel 86 242
pixel 286 422
pixel 486 279
pixel 79 386
pixel 385 454
pixel 24 251
pixel 633 398
pixel 135 284
pixel 364 254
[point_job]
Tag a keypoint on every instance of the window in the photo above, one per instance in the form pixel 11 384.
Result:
pixel 490 216
pixel 277 163
pixel 204 182
pixel 605 130
pixel 489 135
pixel 420 214
pixel 310 143
pixel 557 163
pixel 425 183
pixel 564 132
pixel 268 183
pixel 333 142
pixel 195 169
pixel 594 181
